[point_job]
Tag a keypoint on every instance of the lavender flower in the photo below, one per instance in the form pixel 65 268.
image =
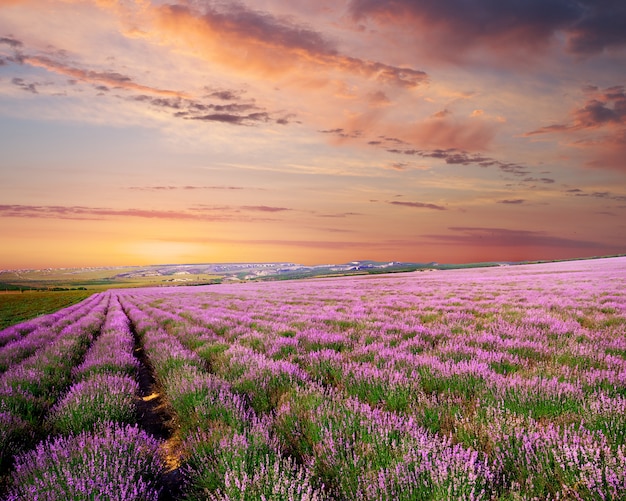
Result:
pixel 104 397
pixel 116 463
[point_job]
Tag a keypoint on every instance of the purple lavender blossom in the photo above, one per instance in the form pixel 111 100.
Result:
pixel 117 463
pixel 103 397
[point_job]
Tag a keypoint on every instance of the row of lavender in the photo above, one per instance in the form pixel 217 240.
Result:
pixel 501 383
pixel 37 365
pixel 504 383
pixel 224 448
pixel 76 391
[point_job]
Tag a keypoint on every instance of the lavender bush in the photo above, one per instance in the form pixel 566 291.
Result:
pixel 114 463
pixel 30 386
pixel 112 352
pixel 104 397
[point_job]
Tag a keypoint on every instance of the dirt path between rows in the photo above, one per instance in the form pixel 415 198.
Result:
pixel 156 417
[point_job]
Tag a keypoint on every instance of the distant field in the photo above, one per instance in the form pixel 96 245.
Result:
pixel 97 280
pixel 17 307
pixel 28 294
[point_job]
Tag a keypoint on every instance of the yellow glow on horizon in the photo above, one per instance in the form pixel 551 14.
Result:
pixel 163 252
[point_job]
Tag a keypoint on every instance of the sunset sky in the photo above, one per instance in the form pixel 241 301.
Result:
pixel 145 132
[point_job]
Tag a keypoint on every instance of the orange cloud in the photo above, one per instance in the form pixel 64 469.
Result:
pixel 249 41
pixel 81 213
pixel 598 126
pixel 608 152
pixel 504 237
pixel 107 78
pixel 602 109
pixel 446 132
pixel 441 131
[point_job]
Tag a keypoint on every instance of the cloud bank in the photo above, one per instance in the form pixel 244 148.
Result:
pixel 456 26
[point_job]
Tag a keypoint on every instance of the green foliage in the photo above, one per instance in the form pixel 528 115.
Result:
pixel 201 410
pixel 25 405
pixel 428 318
pixel 467 386
pixel 541 405
pixel 580 362
pixel 15 434
pixel 295 428
pixel 16 307
pixel 618 352
pixel 103 398
pixel 504 367
pixel 438 417
pixel 215 452
pixel 528 353
pixel 325 372
pixel 212 354
pixel 380 393
pixel 285 352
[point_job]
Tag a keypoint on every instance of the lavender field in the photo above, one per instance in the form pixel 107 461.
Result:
pixel 503 383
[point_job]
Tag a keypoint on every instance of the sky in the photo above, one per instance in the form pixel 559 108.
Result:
pixel 138 132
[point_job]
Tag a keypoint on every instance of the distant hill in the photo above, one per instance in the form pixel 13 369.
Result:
pixel 100 278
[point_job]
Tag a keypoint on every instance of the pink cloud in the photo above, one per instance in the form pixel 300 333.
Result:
pixel 454 27
pixel 442 131
pixel 418 205
pixel 501 237
pixel 113 79
pixel 215 214
pixel 221 33
pixel 598 128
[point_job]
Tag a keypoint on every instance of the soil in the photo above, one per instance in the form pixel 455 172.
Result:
pixel 157 418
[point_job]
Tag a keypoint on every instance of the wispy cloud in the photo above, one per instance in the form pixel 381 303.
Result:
pixel 28 87
pixel 226 106
pixel 441 131
pixel 81 212
pixel 113 79
pixel 601 109
pixel 598 126
pixel 11 42
pixel 340 215
pixel 453 156
pixel 225 94
pixel 458 134
pixel 502 237
pixel 186 187
pixel 264 208
pixel 544 180
pixel 237 113
pixel 230 118
pixel 418 205
pixel 96 213
pixel 450 155
pixel 342 133
pixel 604 195
pixel 399 166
